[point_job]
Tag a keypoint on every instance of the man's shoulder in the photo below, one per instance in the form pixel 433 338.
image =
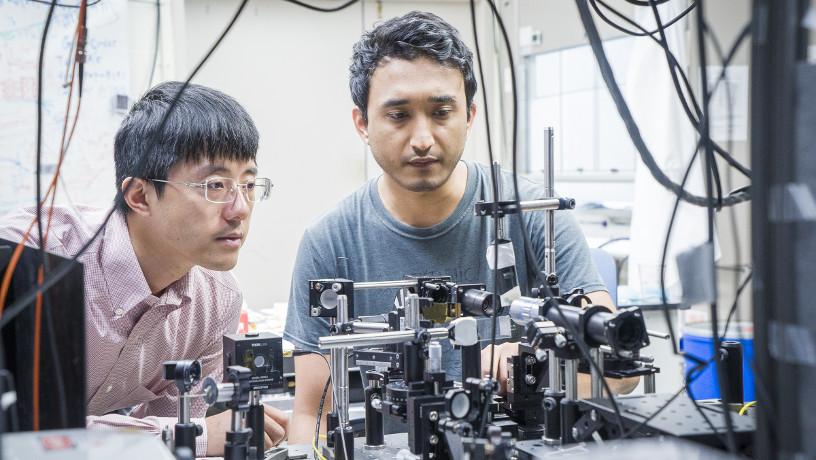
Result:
pixel 69 225
pixel 351 210
pixel 529 188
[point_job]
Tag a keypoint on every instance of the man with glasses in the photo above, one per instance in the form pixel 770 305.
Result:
pixel 156 280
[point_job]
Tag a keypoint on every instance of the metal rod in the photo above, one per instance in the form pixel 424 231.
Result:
pixel 376 338
pixel 649 383
pixel 597 377
pixel 340 377
pixel 658 335
pixel 237 424
pixel 545 204
pixel 554 365
pixel 361 327
pixel 412 312
pixel 184 409
pixel 571 379
pixel 384 284
pixel 498 197
pixel 549 216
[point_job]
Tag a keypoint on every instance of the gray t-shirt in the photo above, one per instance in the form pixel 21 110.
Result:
pixel 378 247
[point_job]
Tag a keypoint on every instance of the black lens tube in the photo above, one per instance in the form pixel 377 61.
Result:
pixel 623 330
pixel 476 302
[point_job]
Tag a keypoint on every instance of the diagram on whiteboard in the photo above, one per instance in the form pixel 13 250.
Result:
pixel 87 171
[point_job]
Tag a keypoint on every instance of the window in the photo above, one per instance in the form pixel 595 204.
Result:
pixel 566 92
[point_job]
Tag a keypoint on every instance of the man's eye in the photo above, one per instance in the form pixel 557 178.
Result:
pixel 442 113
pixel 250 185
pixel 397 115
pixel 216 185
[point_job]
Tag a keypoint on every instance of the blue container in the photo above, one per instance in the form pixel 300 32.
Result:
pixel 696 341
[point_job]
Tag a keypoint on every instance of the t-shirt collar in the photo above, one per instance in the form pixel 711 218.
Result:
pixel 462 209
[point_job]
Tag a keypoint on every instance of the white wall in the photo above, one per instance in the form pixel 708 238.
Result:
pixel 288 66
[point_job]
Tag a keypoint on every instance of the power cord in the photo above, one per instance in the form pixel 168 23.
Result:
pixel 321 9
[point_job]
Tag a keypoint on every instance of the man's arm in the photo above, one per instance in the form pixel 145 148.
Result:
pixel 311 374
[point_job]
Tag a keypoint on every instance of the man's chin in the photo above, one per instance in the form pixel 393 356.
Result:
pixel 422 185
pixel 219 265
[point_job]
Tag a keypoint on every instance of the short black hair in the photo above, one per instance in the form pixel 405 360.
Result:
pixel 416 34
pixel 205 124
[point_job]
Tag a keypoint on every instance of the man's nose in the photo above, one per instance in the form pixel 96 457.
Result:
pixel 239 208
pixel 422 137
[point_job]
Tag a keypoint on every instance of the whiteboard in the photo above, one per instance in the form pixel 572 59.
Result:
pixel 87 172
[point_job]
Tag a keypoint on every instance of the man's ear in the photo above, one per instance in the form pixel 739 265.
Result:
pixel 360 123
pixel 471 114
pixel 135 195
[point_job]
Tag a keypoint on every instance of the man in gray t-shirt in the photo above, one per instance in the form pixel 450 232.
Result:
pixel 378 247
pixel 413 86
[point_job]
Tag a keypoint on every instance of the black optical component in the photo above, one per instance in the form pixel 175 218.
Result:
pixel 477 301
pixel 627 330
pixel 261 353
pixel 185 373
pixel 323 297
pixel 457 404
pixel 435 288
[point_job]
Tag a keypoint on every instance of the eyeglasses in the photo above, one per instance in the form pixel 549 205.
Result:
pixel 222 189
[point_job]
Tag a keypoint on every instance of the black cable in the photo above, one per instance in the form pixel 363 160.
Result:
pixel 321 9
pixel 320 409
pixel 726 62
pixel 645 2
pixel 325 388
pixel 643 33
pixel 44 266
pixel 613 240
pixel 710 159
pixel 736 303
pixel 38 159
pixel 699 409
pixel 631 126
pixel 63 268
pixel 665 251
pixel 732 214
pixel 527 244
pixel 64 5
pixel 696 371
pixel 495 178
pixel 687 96
pixel 704 133
pixel 155 45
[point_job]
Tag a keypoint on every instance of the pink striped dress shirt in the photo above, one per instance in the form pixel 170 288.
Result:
pixel 129 331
